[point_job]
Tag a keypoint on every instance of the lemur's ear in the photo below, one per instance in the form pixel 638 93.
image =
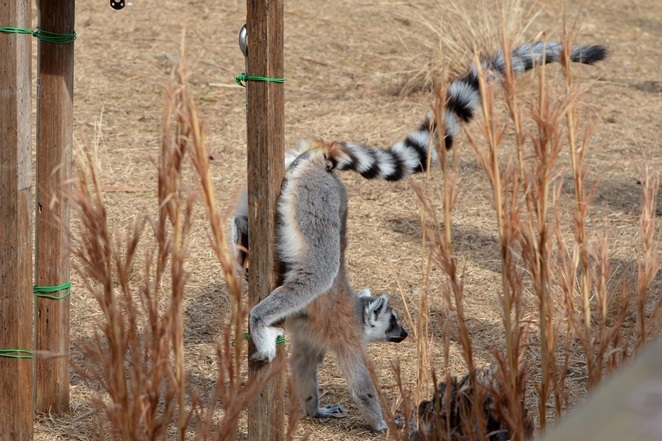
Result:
pixel 365 292
pixel 377 305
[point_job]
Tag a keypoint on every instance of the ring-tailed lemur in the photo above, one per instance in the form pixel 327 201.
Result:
pixel 316 301
pixel 315 298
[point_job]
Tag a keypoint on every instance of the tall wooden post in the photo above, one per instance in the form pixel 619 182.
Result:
pixel 265 119
pixel 16 374
pixel 55 80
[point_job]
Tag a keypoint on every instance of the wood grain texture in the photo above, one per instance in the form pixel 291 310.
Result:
pixel 54 138
pixel 265 120
pixel 16 300
pixel 627 407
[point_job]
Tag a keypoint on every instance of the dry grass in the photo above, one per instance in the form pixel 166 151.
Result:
pixel 566 271
pixel 136 358
pixel 454 31
pixel 342 70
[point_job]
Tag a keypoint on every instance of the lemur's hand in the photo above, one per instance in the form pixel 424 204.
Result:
pixel 264 338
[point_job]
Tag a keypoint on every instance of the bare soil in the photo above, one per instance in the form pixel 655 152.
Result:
pixel 343 62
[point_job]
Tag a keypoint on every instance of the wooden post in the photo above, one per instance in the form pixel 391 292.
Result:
pixel 55 79
pixel 265 119
pixel 16 375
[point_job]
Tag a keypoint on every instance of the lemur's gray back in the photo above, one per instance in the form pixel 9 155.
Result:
pixel 312 215
pixel 312 209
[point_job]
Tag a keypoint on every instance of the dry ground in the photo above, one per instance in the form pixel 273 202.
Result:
pixel 342 60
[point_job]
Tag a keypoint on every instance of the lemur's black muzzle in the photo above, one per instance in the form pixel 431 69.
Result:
pixel 399 337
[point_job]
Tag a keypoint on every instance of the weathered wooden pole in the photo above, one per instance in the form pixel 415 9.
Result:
pixel 55 80
pixel 16 310
pixel 266 139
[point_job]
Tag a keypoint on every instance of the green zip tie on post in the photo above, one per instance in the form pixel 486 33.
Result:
pixel 15 353
pixel 242 78
pixel 280 339
pixel 44 291
pixel 48 36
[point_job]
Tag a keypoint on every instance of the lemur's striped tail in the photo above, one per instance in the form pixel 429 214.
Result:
pixel 463 94
pixel 410 155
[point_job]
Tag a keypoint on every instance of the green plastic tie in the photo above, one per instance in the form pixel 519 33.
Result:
pixel 44 291
pixel 242 78
pixel 280 339
pixel 15 353
pixel 48 36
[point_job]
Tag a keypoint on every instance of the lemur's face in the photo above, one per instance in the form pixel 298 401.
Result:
pixel 380 322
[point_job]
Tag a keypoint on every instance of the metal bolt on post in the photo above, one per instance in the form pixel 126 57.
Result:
pixel 243 45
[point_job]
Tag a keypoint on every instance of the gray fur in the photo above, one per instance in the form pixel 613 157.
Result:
pixel 311 265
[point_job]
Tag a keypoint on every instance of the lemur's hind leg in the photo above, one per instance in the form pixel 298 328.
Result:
pixel 361 387
pixel 304 362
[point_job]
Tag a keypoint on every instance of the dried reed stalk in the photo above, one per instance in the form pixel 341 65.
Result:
pixel 506 186
pixel 649 262
pixel 526 196
pixel 138 357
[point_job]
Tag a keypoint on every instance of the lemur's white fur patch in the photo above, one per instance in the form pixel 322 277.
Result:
pixel 365 292
pixel 264 338
pixel 451 123
pixel 291 243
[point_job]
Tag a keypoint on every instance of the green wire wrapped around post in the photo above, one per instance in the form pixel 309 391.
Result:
pixel 50 37
pixel 242 78
pixel 16 353
pixel 45 291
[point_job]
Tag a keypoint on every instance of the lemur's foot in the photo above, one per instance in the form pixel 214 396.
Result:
pixel 264 338
pixel 331 411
